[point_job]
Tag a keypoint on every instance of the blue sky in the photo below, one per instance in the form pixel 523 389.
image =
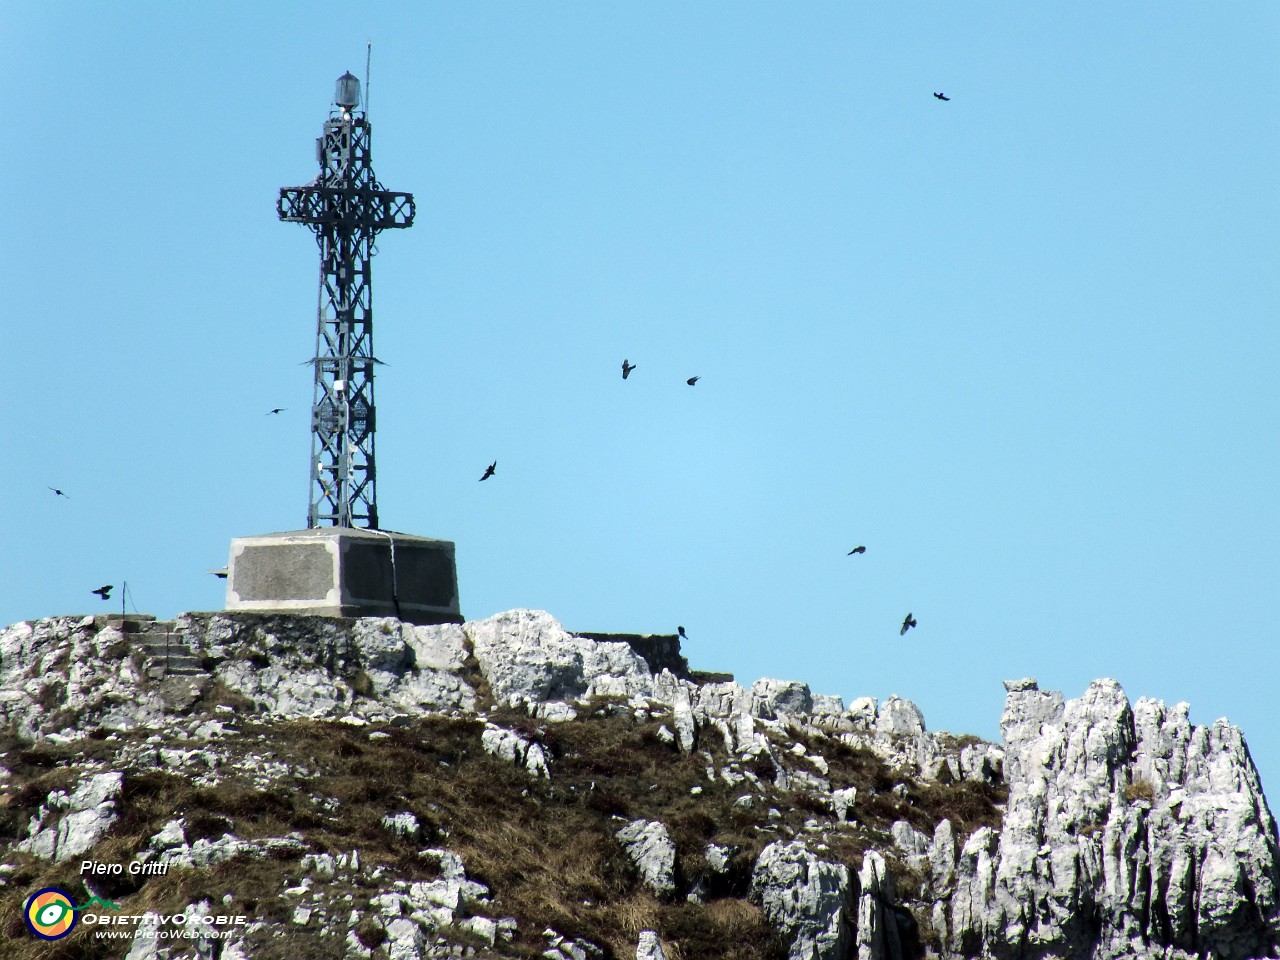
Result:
pixel 1022 344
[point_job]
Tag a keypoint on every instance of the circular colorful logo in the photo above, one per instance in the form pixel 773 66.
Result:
pixel 51 913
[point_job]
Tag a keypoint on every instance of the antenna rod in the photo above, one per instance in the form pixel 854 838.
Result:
pixel 368 56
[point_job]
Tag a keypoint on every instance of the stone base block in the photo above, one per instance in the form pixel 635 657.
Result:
pixel 345 572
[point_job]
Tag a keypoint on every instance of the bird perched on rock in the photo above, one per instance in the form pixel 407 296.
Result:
pixel 683 635
pixel 104 592
pixel 942 96
pixel 907 624
pixel 489 471
pixel 627 368
pixel 692 380
pixel 858 549
pixel 59 492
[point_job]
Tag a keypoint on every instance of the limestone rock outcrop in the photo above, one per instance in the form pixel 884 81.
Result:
pixel 527 657
pixel 650 947
pixel 1096 830
pixel 509 745
pixel 810 901
pixel 70 823
pixel 649 846
pixel 1128 833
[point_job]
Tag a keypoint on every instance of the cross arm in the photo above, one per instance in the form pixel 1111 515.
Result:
pixel 373 209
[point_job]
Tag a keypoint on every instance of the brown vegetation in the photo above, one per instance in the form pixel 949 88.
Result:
pixel 546 848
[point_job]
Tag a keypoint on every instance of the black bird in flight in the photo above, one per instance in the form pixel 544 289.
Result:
pixel 104 592
pixel 907 624
pixel 489 471
pixel 856 550
pixel 692 380
pixel 276 410
pixel 942 96
pixel 683 635
pixel 627 368
pixel 59 492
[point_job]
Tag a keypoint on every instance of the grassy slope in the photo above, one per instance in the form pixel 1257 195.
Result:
pixel 545 848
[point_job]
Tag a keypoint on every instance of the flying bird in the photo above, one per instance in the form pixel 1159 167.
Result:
pixel 489 471
pixel 907 624
pixel 683 635
pixel 856 550
pixel 941 96
pixel 692 380
pixel 104 592
pixel 59 492
pixel 276 410
pixel 627 368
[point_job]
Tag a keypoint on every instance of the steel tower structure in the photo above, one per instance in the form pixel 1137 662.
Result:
pixel 346 207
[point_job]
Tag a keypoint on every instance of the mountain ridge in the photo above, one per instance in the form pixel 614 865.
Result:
pixel 371 789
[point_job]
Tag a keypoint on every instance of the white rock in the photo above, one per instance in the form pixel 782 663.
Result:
pixel 842 801
pixel 825 705
pixel 320 865
pixel 981 762
pixel 806 899
pixel 509 745
pixel 719 857
pixel 450 863
pixel 414 666
pixel 403 825
pixel 405 940
pixel 909 840
pixel 172 834
pixel 652 851
pixel 649 947
pixel 682 716
pixel 86 814
pixel 877 935
pixel 553 711
pixel 942 858
pixel 526 655
pixel 772 698
pixel 1079 837
pixel 862 713
pixel 482 927
pixel 899 718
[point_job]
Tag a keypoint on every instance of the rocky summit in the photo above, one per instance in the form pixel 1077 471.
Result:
pixel 250 787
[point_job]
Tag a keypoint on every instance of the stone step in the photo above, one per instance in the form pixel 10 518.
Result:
pixel 173 654
pixel 168 655
pixel 158 648
pixel 176 670
pixel 176 660
pixel 188 668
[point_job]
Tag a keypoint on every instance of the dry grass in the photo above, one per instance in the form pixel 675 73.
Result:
pixel 546 849
pixel 967 804
pixel 1140 790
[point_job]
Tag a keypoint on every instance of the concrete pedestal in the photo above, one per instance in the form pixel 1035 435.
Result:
pixel 345 572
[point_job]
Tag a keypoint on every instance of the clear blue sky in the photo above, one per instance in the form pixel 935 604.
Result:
pixel 1023 345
